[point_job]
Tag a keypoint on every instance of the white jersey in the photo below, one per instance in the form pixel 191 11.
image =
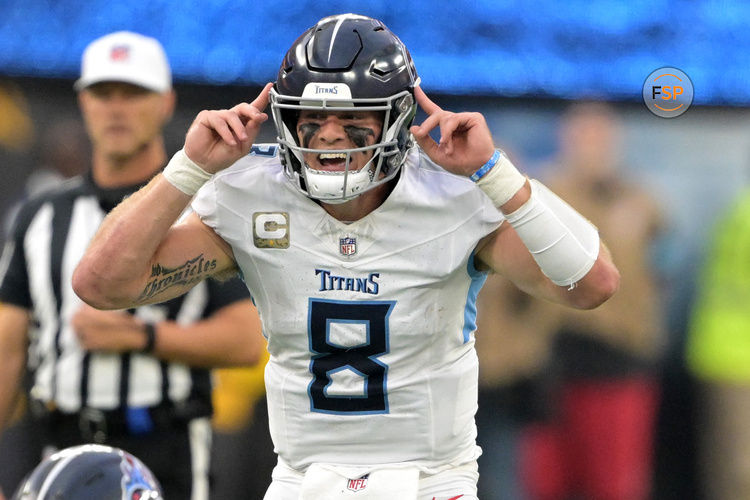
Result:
pixel 370 325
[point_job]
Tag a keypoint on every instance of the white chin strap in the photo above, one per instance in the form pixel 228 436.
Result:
pixel 329 186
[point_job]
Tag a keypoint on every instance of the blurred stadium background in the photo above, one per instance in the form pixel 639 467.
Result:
pixel 518 62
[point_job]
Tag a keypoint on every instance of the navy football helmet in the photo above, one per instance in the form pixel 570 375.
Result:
pixel 90 471
pixel 346 62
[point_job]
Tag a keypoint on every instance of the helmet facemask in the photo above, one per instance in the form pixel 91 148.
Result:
pixel 389 150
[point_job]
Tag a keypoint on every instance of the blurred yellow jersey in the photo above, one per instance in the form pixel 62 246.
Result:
pixel 236 392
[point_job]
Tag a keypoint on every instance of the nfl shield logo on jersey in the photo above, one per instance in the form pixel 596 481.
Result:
pixel 348 246
pixel 357 484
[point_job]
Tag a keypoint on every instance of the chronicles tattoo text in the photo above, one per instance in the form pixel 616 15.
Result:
pixel 187 274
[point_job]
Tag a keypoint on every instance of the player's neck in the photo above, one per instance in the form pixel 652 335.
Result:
pixel 361 206
pixel 111 171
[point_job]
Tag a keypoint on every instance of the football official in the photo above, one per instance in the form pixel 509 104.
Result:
pixel 137 379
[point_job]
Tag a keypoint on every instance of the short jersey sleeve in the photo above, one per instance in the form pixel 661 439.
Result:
pixel 14 279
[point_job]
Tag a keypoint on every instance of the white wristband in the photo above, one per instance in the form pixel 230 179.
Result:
pixel 502 181
pixel 184 174
pixel 563 243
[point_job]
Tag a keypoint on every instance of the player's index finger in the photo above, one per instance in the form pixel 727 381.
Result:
pixel 424 102
pixel 261 101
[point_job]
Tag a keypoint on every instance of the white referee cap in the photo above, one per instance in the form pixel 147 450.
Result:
pixel 124 56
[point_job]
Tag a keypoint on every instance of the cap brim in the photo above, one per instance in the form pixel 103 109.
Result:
pixel 83 83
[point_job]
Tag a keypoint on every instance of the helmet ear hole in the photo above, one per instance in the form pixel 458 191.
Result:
pixel 394 161
pixel 405 103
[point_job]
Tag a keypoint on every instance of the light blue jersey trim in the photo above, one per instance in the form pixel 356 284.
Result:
pixel 470 311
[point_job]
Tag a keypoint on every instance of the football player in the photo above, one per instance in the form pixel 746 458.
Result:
pixel 364 243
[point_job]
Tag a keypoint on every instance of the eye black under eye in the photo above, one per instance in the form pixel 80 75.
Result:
pixel 307 130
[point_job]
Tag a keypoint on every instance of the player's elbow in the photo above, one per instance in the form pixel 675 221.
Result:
pixel 246 354
pixel 251 356
pixel 256 350
pixel 599 284
pixel 92 289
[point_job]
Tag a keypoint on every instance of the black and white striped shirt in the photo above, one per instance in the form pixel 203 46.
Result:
pixel 50 235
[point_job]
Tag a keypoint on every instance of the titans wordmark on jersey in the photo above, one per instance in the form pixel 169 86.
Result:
pixel 370 324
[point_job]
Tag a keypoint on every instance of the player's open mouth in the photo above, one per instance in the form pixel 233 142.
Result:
pixel 332 161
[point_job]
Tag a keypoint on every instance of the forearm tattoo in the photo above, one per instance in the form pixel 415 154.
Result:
pixel 185 275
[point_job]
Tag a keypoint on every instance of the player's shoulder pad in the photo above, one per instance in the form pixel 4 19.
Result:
pixel 424 162
pixel 428 166
pixel 259 155
pixel 265 150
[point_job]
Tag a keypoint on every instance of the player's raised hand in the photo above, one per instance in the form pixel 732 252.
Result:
pixel 465 140
pixel 218 138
